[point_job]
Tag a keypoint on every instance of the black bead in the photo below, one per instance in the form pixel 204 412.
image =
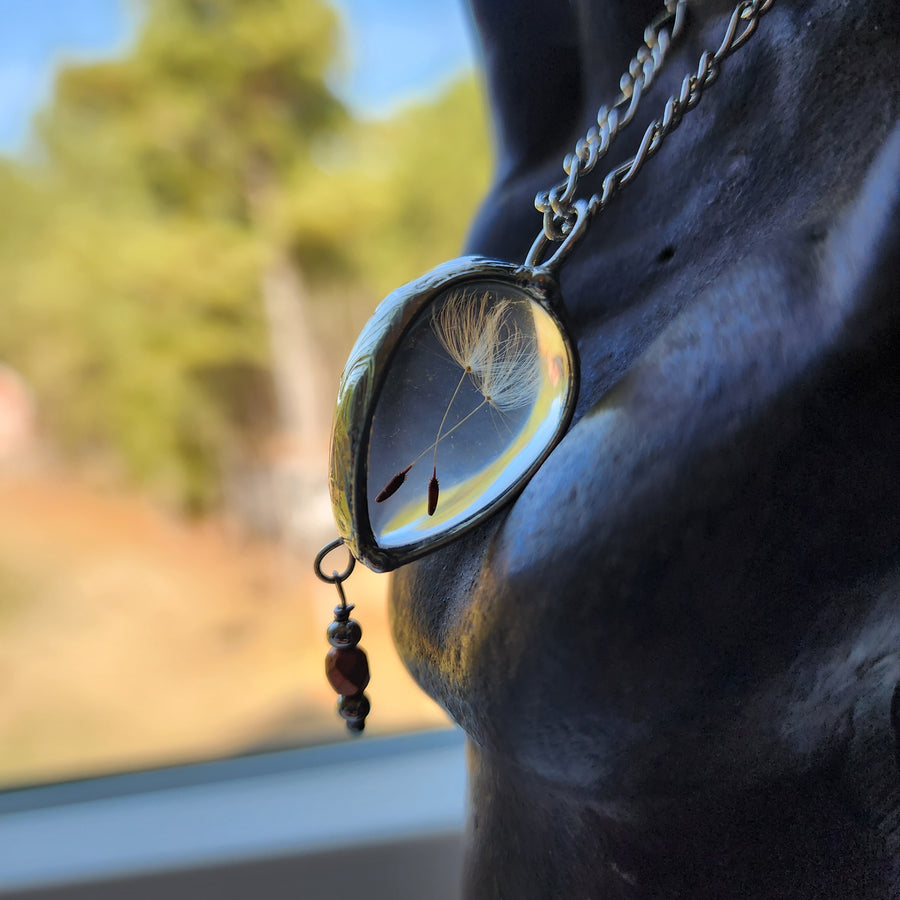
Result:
pixel 354 709
pixel 344 634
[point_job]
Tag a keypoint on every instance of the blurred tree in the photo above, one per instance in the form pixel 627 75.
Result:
pixel 171 157
pixel 406 187
pixel 155 257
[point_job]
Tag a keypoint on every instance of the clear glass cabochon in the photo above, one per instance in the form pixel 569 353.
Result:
pixel 476 392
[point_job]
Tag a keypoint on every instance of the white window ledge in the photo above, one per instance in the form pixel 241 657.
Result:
pixel 367 819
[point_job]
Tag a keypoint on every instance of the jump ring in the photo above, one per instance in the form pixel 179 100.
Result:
pixel 335 577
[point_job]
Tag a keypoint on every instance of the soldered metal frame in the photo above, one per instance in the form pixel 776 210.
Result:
pixel 365 376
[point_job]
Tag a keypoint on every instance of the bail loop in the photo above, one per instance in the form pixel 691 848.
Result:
pixel 569 242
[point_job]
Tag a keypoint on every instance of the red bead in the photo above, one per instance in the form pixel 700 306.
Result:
pixel 347 670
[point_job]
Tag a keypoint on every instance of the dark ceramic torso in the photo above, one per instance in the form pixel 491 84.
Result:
pixel 675 653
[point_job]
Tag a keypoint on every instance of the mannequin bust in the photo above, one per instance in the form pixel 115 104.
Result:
pixel 677 653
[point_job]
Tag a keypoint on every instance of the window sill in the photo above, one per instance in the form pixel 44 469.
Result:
pixel 377 818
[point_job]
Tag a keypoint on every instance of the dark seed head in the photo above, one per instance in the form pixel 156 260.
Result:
pixel 392 486
pixel 433 491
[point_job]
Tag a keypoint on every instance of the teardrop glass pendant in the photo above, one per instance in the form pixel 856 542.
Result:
pixel 455 392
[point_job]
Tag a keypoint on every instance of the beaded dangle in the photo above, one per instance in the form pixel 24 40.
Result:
pixel 346 664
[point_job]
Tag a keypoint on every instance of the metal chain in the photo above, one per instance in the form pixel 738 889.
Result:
pixel 560 208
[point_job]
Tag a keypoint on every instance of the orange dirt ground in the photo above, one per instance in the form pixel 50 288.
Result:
pixel 129 638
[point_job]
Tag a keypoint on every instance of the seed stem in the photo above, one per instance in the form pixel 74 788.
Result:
pixel 437 438
pixel 394 484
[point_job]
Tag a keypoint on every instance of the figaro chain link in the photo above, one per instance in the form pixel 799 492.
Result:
pixel 560 208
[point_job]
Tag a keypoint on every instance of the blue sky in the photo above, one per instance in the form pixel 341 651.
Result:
pixel 396 50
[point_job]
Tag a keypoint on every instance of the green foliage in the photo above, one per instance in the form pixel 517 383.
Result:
pixel 408 188
pixel 132 253
pixel 118 324
pixel 218 100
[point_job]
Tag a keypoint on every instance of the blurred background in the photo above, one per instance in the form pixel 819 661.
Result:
pixel 203 201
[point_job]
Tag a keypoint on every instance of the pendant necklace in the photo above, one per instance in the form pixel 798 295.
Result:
pixel 464 380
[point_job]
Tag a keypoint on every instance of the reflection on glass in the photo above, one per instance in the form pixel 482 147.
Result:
pixel 474 394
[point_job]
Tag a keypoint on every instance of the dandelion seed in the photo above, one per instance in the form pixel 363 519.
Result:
pixel 480 335
pixel 397 481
